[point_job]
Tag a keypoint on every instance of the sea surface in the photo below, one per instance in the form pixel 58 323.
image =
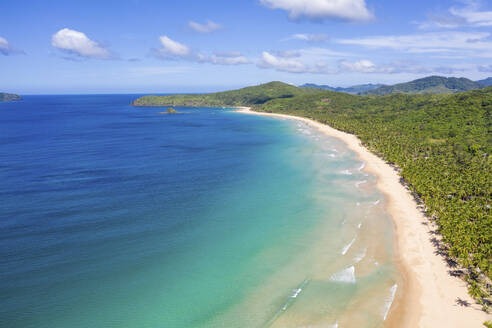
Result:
pixel 117 216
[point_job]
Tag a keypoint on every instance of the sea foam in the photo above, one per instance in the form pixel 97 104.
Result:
pixel 346 275
pixel 358 183
pixel 389 301
pixel 347 247
pixel 360 256
pixel 362 166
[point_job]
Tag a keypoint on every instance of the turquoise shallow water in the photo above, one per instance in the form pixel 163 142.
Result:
pixel 115 216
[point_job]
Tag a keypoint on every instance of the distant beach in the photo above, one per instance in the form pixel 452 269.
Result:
pixel 428 296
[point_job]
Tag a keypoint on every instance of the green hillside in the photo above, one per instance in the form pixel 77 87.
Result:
pixel 242 97
pixel 428 85
pixel 486 82
pixel 355 89
pixel 9 97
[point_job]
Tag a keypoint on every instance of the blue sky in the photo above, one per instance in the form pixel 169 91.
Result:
pixel 140 46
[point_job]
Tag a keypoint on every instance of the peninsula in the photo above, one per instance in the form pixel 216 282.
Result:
pixel 9 97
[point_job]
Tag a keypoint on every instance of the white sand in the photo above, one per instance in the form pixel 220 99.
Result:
pixel 428 295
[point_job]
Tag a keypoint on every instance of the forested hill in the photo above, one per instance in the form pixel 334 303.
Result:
pixel 9 97
pixel 486 82
pixel 242 97
pixel 429 85
pixel 441 143
pixel 355 89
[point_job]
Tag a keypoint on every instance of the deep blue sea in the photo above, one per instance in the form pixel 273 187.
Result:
pixel 118 216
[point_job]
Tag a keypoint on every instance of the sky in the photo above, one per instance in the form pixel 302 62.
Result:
pixel 164 46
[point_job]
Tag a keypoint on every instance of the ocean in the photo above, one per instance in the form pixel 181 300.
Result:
pixel 117 216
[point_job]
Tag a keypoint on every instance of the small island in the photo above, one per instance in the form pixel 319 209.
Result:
pixel 170 110
pixel 9 97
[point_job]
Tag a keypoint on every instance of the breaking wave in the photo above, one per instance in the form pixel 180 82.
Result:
pixel 346 275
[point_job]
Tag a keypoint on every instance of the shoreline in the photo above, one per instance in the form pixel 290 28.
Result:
pixel 428 295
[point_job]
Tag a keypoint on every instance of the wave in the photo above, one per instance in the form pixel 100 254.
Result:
pixel 346 248
pixel 346 172
pixel 360 256
pixel 304 131
pixel 295 293
pixel 332 155
pixel 358 183
pixel 358 204
pixel 389 301
pixel 362 166
pixel 346 275
pixel 376 202
pixel 359 225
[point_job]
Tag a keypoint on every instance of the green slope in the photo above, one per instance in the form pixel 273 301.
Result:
pixel 242 97
pixel 355 89
pixel 429 85
pixel 486 82
pixel 9 97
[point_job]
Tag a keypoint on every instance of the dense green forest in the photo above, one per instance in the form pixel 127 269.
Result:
pixel 428 85
pixel 245 96
pixel 441 143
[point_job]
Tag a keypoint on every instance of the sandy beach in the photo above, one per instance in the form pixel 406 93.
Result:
pixel 428 296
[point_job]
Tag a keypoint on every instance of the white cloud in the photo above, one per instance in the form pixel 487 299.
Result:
pixel 208 27
pixel 78 43
pixel 7 50
pixel 367 66
pixel 309 37
pixel 4 47
pixel 303 65
pixel 472 43
pixel 281 64
pixel 468 15
pixel 473 16
pixel 223 59
pixel 173 48
pixel 485 68
pixel 349 10
pixel 362 66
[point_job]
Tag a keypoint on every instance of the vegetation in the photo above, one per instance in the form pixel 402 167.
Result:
pixel 9 97
pixel 441 143
pixel 355 89
pixel 486 82
pixel 246 96
pixel 171 110
pixel 429 85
